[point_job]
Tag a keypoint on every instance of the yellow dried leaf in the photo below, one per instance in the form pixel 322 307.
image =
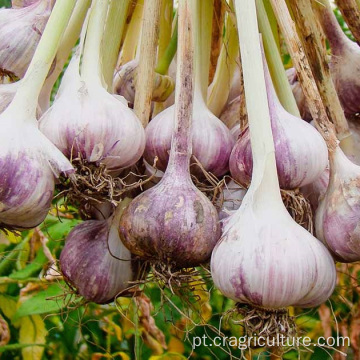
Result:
pixel 176 345
pixel 7 306
pixel 32 331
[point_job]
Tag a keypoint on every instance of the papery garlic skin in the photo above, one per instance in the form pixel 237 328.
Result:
pixel 20 32
pixel 7 93
pixel 345 72
pixel 28 162
pixel 86 262
pixel 175 224
pixel 298 94
pixel 300 151
pixel 211 140
pixel 85 119
pixel 265 259
pixel 230 116
pixel 338 215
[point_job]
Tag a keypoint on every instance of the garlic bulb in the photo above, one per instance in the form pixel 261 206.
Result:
pixel 338 214
pixel 211 139
pixel 28 159
pixel 266 259
pixel 28 165
pixel 85 119
pixel 301 152
pixel 95 261
pixel 174 223
pixel 20 33
pixel 345 60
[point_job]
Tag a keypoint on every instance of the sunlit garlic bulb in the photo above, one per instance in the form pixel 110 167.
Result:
pixel 264 258
pixel 86 120
pixel 20 32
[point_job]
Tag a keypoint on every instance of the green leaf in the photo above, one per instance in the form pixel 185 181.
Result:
pixel 45 301
pixel 32 330
pixel 12 347
pixel 8 305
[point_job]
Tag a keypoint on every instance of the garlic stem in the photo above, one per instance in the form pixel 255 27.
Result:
pixel 164 62
pixel 220 87
pixel 165 27
pixel 262 143
pixel 203 13
pixel 181 143
pixel 350 11
pixel 115 24
pixel 26 97
pixel 147 59
pixel 131 41
pixel 306 22
pixel 274 61
pixel 218 20
pixel 91 70
pixel 68 41
pixel 303 70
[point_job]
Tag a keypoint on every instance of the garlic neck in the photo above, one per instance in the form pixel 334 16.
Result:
pixel 331 27
pixel 91 70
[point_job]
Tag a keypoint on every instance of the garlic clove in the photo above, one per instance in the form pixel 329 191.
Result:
pixel 338 215
pixel 20 32
pixel 283 265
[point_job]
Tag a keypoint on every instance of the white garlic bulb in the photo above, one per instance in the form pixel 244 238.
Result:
pixel 20 32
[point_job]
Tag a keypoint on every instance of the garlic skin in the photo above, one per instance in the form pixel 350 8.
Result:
pixel 230 116
pixel 345 71
pixel 338 215
pixel 85 119
pixel 86 262
pixel 125 80
pixel 7 93
pixel 265 259
pixel 300 151
pixel 298 94
pixel 28 162
pixel 22 3
pixel 232 196
pixel 20 32
pixel 172 223
pixel 211 141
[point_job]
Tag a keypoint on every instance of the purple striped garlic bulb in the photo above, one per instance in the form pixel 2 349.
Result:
pixel 338 214
pixel 265 259
pixel 85 120
pixel 300 151
pixel 212 141
pixel 28 162
pixel 20 32
pixel 96 263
